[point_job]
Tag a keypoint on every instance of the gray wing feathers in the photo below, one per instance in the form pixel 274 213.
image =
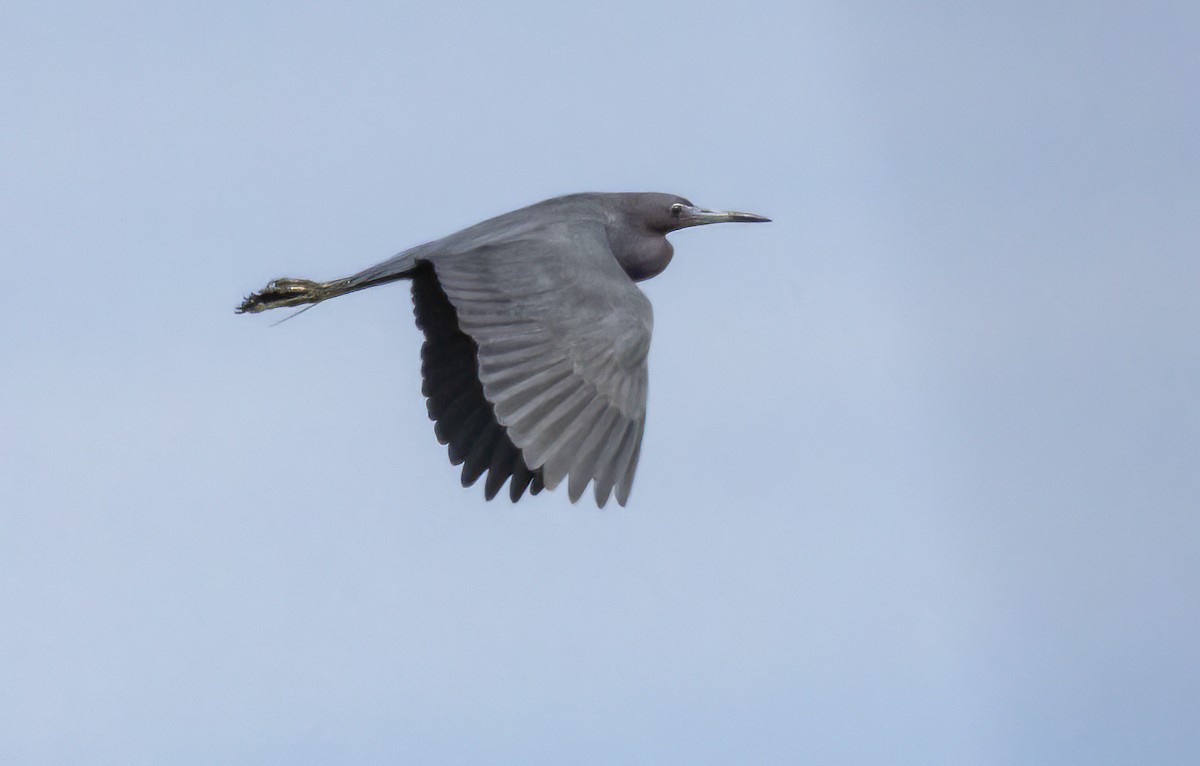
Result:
pixel 563 335
pixel 463 418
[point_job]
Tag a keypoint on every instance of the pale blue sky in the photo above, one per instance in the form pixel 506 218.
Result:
pixel 922 470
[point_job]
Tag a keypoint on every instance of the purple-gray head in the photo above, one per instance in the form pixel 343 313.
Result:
pixel 668 212
pixel 638 234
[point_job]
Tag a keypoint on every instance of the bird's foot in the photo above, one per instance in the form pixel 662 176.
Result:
pixel 281 293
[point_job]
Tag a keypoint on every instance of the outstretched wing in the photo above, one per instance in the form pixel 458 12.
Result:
pixel 463 418
pixel 561 335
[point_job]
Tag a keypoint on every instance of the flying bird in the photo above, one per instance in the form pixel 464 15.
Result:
pixel 536 335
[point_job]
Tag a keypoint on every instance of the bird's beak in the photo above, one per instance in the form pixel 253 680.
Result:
pixel 695 216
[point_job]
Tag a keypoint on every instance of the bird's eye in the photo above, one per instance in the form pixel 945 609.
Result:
pixel 676 209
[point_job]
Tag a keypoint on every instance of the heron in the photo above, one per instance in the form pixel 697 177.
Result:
pixel 536 335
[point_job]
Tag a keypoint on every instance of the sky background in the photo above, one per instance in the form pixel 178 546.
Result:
pixel 921 481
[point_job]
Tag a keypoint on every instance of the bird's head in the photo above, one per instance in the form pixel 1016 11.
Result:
pixel 667 213
pixel 639 238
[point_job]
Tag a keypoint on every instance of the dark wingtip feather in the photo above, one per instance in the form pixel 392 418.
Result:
pixel 500 470
pixel 480 456
pixel 464 437
pixel 520 480
pixel 495 480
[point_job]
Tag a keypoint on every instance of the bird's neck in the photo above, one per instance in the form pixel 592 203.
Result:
pixel 643 257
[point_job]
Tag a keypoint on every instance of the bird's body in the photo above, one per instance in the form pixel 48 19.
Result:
pixel 536 337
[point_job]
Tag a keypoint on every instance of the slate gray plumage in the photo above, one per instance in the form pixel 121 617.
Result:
pixel 536 337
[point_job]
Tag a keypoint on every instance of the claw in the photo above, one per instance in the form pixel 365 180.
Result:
pixel 280 293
